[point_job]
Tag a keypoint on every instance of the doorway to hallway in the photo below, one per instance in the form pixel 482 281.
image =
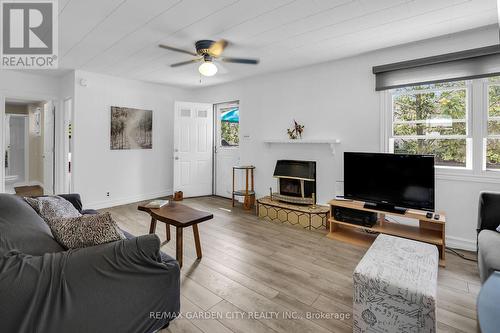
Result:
pixel 28 147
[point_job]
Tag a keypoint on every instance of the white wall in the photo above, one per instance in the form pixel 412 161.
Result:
pixel 338 100
pixel 128 175
pixel 18 84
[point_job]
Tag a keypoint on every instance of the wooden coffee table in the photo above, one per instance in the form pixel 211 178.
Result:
pixel 180 216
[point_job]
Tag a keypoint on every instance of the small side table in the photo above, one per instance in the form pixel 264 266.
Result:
pixel 180 216
pixel 249 191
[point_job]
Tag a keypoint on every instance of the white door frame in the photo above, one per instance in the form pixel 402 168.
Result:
pixel 2 143
pixel 67 119
pixel 58 149
pixel 216 141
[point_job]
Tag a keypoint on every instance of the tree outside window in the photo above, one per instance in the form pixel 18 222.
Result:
pixel 431 119
pixel 493 138
pixel 230 128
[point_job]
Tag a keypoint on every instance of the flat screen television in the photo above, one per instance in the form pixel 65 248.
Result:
pixel 392 182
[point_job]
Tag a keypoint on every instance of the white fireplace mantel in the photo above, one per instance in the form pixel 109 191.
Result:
pixel 331 142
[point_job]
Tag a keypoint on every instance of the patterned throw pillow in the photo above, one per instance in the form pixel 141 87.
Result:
pixel 53 207
pixel 85 230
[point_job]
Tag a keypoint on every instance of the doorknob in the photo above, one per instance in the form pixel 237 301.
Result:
pixel 176 158
pixel 176 150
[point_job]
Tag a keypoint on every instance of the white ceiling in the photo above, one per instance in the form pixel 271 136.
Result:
pixel 120 37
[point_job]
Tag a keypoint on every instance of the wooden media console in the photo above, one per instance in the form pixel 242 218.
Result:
pixel 427 230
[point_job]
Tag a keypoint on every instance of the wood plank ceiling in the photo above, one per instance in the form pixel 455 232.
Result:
pixel 120 37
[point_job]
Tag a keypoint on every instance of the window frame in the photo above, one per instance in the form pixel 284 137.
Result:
pixel 467 136
pixel 477 123
pixel 486 135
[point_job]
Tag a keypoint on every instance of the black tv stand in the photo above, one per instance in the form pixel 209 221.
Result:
pixel 385 207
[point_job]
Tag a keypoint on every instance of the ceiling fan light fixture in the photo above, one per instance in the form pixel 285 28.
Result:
pixel 207 68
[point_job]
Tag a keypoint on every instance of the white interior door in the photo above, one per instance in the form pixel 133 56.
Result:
pixel 193 142
pixel 227 153
pixel 16 146
pixel 48 148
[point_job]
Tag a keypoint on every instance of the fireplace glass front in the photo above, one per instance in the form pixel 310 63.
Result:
pixel 290 187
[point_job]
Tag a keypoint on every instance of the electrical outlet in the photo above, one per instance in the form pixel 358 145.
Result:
pixel 107 194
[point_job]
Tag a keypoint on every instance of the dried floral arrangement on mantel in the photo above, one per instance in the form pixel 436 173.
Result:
pixel 296 131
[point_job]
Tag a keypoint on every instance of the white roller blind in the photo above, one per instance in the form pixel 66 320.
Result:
pixel 463 65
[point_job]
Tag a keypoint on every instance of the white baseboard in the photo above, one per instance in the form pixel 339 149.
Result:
pixel 30 183
pixel 461 243
pixel 126 200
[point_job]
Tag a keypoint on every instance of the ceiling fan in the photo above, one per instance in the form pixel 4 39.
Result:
pixel 207 51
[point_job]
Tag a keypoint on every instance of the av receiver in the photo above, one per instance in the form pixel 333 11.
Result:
pixel 354 216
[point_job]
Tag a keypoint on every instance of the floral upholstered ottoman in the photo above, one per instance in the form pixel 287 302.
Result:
pixel 395 287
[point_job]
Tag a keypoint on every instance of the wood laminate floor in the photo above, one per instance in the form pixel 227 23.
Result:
pixel 253 268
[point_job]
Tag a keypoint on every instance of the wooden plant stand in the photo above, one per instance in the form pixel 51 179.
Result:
pixel 249 191
pixel 428 230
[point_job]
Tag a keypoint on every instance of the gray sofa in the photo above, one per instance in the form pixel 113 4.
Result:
pixel 123 286
pixel 488 239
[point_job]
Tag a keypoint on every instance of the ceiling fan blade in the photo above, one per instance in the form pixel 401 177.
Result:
pixel 176 49
pixel 218 47
pixel 241 60
pixel 185 62
pixel 222 68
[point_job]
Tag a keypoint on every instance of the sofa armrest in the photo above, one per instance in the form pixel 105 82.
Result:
pixel 110 287
pixel 489 211
pixel 75 200
pixel 89 212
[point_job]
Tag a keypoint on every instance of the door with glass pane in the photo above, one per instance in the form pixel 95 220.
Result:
pixel 227 152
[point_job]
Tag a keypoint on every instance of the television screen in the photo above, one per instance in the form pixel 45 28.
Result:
pixel 398 180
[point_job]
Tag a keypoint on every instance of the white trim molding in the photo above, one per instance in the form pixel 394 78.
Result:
pixel 467 177
pixel 331 142
pixel 461 243
pixel 126 200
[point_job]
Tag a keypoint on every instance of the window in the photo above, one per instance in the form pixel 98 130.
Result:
pixel 457 122
pixel 492 151
pixel 432 119
pixel 230 127
pixel 229 124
